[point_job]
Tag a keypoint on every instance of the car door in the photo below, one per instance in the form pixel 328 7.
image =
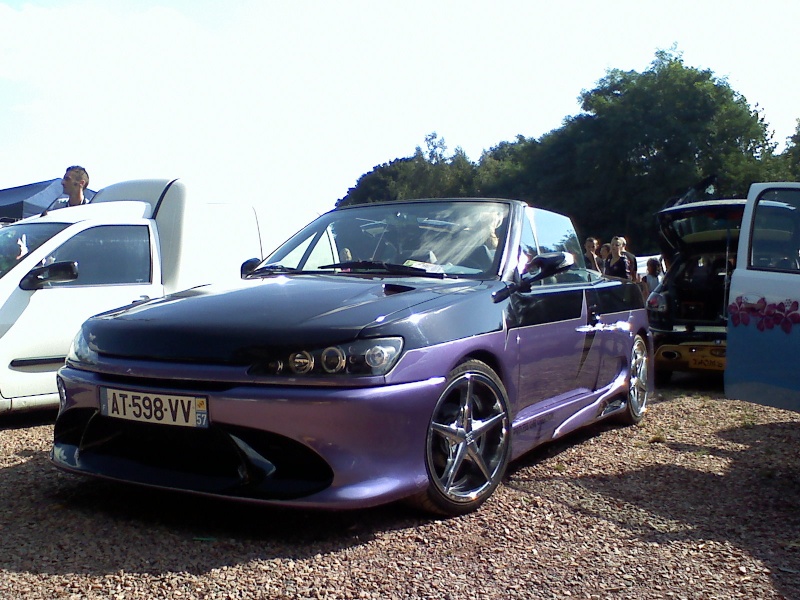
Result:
pixel 115 268
pixel 763 312
pixel 556 368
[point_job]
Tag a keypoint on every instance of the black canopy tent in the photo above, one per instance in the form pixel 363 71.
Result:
pixel 31 199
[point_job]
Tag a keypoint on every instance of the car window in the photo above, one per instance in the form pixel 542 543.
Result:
pixel 555 233
pixel 775 239
pixel 17 241
pixel 295 249
pixel 713 223
pixel 527 244
pixel 323 252
pixel 458 238
pixel 108 254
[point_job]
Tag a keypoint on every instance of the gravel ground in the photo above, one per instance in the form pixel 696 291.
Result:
pixel 699 501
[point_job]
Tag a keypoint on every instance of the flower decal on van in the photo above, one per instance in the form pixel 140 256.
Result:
pixel 766 315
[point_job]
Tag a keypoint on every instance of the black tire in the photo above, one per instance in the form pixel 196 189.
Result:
pixel 638 386
pixel 468 442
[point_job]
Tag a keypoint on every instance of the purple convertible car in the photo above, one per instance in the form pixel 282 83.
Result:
pixel 403 350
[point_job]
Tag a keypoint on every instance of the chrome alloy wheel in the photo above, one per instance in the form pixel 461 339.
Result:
pixel 468 440
pixel 638 390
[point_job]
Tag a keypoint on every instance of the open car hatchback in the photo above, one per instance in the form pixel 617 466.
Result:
pixel 688 310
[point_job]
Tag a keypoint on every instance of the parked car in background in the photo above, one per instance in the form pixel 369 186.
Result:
pixel 136 240
pixel 404 350
pixel 688 311
pixel 764 305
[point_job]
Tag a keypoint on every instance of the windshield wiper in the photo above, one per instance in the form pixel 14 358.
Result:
pixel 270 269
pixel 377 265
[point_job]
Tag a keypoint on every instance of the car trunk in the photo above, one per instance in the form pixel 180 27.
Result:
pixel 699 288
pixel 699 243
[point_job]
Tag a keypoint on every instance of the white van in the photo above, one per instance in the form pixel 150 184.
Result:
pixel 136 240
pixel 763 310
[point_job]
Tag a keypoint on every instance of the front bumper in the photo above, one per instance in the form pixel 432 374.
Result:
pixel 315 447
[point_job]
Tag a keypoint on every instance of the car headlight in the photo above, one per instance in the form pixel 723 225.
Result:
pixel 80 353
pixel 361 357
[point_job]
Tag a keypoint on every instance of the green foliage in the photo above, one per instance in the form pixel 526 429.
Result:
pixel 425 175
pixel 788 168
pixel 641 139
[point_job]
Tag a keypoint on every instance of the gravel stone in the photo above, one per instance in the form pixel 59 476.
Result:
pixel 699 501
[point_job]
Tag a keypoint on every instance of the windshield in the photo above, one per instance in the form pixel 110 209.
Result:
pixel 17 241
pixel 431 237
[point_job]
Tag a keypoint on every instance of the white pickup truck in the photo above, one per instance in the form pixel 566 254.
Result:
pixel 136 240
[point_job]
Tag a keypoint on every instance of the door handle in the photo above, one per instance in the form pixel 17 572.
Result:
pixel 593 318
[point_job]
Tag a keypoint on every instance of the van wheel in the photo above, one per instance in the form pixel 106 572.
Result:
pixel 468 442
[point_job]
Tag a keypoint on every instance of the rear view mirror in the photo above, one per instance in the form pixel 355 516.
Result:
pixel 249 266
pixel 548 265
pixel 53 273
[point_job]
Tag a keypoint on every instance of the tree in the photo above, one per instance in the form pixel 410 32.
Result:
pixel 790 159
pixel 642 138
pixel 429 174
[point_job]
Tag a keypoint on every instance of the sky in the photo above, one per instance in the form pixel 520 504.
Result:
pixel 284 105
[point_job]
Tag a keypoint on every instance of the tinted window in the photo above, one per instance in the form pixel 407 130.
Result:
pixel 775 240
pixel 107 255
pixel 706 224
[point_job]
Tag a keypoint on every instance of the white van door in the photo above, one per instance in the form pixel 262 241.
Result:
pixel 115 268
pixel 764 308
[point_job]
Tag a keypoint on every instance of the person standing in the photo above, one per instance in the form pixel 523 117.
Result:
pixel 617 264
pixel 605 253
pixel 74 185
pixel 591 245
pixel 74 182
pixel 631 259
pixel 653 276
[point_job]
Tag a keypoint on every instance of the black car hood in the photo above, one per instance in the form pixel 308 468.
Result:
pixel 205 324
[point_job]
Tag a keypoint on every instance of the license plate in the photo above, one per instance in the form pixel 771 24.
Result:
pixel 705 362
pixel 165 409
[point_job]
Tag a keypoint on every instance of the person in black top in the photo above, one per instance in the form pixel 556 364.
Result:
pixel 618 264
pixel 631 258
pixel 591 246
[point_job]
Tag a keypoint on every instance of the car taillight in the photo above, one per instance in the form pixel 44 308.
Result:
pixel 657 302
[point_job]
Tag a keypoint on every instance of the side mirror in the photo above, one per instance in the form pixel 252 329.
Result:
pixel 53 273
pixel 249 266
pixel 548 264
